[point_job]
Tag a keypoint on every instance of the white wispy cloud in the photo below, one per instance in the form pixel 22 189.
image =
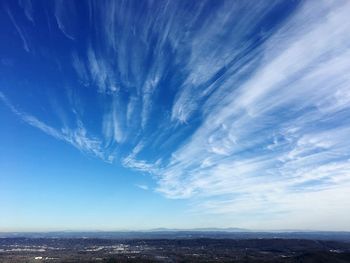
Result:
pixel 81 69
pixel 63 14
pixel 142 186
pixel 19 31
pixel 113 122
pixel 27 6
pixel 210 58
pixel 77 137
pixel 101 72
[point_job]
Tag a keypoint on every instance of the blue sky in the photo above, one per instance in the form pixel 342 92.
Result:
pixel 182 114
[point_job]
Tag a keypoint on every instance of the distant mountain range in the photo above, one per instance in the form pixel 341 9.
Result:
pixel 230 229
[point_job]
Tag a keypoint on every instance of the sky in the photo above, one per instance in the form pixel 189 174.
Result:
pixel 141 114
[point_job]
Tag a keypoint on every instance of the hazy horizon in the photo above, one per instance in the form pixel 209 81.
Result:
pixel 209 229
pixel 145 114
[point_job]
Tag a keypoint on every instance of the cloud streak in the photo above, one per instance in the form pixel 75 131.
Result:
pixel 19 31
pixel 77 137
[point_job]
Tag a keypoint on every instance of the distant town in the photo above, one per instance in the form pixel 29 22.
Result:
pixel 175 246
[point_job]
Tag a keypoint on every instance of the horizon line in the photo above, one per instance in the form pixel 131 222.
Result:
pixel 201 229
